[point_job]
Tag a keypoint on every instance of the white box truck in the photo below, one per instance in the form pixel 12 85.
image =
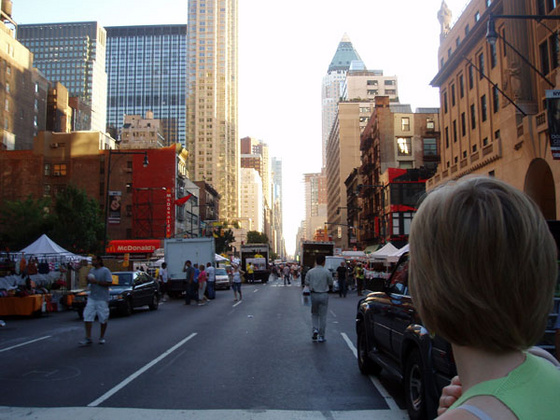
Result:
pixel 177 251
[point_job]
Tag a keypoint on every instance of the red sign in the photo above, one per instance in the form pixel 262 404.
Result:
pixel 169 208
pixel 133 246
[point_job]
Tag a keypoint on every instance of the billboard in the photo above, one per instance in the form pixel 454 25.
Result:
pixel 553 114
pixel 115 204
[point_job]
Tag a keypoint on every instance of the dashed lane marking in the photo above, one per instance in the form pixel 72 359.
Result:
pixel 139 372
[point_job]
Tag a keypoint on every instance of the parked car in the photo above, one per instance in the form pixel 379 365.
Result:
pixel 222 279
pixel 134 289
pixel 391 336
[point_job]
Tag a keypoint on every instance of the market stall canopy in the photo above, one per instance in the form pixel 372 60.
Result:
pixel 220 258
pixel 45 247
pixel 396 255
pixel 353 254
pixel 384 253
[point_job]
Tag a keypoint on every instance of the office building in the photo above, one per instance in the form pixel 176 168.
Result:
pixel 212 139
pixel 147 72
pixel 74 55
pixel 496 109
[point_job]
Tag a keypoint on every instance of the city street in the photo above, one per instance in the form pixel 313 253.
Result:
pixel 252 359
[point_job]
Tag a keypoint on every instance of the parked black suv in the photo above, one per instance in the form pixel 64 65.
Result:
pixel 391 336
pixel 134 289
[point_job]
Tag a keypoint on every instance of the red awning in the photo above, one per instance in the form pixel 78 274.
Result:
pixel 133 246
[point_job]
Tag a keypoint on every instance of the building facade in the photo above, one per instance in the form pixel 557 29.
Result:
pixel 343 155
pixel 365 85
pixel 315 187
pixel 399 152
pixel 277 240
pixel 74 55
pixel 252 200
pixel 494 95
pixel 141 132
pixel 23 94
pixel 147 72
pixel 212 98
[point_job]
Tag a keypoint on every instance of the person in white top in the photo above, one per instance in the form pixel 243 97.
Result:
pixel 211 280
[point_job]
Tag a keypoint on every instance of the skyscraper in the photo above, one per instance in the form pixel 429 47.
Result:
pixel 212 138
pixel 333 83
pixel 74 55
pixel 147 71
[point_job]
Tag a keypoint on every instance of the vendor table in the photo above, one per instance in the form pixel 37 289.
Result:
pixel 21 305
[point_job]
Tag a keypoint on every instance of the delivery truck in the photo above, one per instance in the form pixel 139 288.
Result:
pixel 309 252
pixel 177 251
pixel 257 255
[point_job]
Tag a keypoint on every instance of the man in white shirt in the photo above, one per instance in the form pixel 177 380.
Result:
pixel 211 273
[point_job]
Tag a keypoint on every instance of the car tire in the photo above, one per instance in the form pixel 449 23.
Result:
pixel 366 365
pixel 127 310
pixel 415 386
pixel 155 302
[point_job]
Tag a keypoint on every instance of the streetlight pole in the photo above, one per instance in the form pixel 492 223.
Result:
pixel 108 186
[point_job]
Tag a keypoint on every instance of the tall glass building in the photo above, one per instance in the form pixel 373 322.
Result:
pixel 74 55
pixel 147 71
pixel 212 99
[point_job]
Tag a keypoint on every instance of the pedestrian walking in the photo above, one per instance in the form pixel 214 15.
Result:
pixel 250 273
pixel 359 275
pixel 286 272
pixel 189 281
pixel 99 279
pixel 341 273
pixel 211 281
pixel 319 280
pixel 163 278
pixel 202 299
pixel 236 283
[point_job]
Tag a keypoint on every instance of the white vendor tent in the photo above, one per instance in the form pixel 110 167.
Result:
pixel 384 253
pixel 396 255
pixel 45 247
pixel 353 254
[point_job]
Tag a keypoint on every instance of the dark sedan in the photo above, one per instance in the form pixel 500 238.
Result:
pixel 134 290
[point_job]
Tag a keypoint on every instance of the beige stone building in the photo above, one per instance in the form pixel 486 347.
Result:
pixel 141 133
pixel 343 155
pixel 315 185
pixel 493 97
pixel 23 94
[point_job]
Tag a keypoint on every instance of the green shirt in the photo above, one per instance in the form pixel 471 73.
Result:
pixel 531 391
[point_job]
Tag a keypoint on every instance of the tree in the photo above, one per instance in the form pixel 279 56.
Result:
pixel 22 222
pixel 254 237
pixel 222 239
pixel 78 224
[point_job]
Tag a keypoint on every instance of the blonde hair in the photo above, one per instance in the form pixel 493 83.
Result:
pixel 483 265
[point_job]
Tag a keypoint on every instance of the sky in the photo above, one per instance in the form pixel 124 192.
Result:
pixel 285 49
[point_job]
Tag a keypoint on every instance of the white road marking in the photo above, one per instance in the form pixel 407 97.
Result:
pixel 26 343
pixel 380 388
pixel 238 303
pixel 136 374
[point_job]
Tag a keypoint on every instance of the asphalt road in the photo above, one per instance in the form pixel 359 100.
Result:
pixel 252 359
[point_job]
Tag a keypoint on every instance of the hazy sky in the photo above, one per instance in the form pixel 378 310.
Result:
pixel 285 49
